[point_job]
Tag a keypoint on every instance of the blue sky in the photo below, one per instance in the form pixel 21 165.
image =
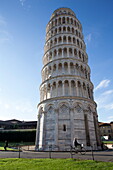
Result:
pixel 22 37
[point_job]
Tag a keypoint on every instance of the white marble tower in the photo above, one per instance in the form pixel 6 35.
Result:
pixel 66 109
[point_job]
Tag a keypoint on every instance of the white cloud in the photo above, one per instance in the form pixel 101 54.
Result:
pixel 110 117
pixel 103 84
pixel 5 37
pixel 108 106
pixel 22 2
pixel 88 38
pixel 108 92
pixel 2 21
pixel 7 106
pixel 20 109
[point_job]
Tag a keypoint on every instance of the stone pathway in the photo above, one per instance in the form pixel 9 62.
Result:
pixel 106 156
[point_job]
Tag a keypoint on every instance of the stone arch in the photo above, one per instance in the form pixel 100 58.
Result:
pixel 64 39
pixel 75 52
pixel 65 52
pixel 71 20
pixel 78 106
pixel 48 91
pixel 84 90
pixel 66 87
pixel 65 67
pixel 60 91
pixel 74 41
pixel 46 73
pixel 68 29
pixel 88 91
pixel 79 54
pixel 54 67
pixel 73 88
pixel 73 30
pixel 85 71
pixel 54 92
pixel 79 88
pixel 59 29
pixel 50 70
pixel 55 41
pixel 60 67
pixel 55 30
pixel 63 20
pixel 67 20
pixel 60 39
pixel 44 92
pixel 69 39
pixel 60 52
pixel 70 51
pixel 83 59
pixel 75 22
pixel 52 32
pixel 72 68
pixel 77 42
pixel 76 33
pixel 51 43
pixel 79 35
pixel 55 22
pixel 50 56
pixel 59 21
pixel 81 70
pixel 55 53
pixel 64 29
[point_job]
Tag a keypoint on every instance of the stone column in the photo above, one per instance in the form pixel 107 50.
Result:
pixel 56 88
pixel 51 91
pixel 77 92
pixel 69 68
pixel 41 131
pixel 37 133
pixel 82 90
pixel 70 89
pixel 56 126
pixel 67 52
pixel 72 122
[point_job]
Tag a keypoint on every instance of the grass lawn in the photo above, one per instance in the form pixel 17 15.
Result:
pixel 8 149
pixel 52 164
pixel 12 144
pixel 111 142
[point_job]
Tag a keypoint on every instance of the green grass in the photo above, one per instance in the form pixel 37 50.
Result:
pixel 52 164
pixel 8 149
pixel 110 142
pixel 12 144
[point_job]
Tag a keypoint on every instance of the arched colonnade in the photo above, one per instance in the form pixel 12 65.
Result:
pixel 66 88
pixel 65 68
pixel 64 39
pixel 64 52
pixel 60 20
pixel 64 30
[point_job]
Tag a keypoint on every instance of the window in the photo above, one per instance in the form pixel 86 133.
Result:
pixel 64 127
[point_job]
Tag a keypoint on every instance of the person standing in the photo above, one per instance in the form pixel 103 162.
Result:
pixel 6 145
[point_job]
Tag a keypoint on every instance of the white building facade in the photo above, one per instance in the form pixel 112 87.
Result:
pixel 67 108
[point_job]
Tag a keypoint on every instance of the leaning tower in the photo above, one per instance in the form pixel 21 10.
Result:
pixel 67 108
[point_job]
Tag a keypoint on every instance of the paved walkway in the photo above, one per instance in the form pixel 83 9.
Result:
pixel 106 156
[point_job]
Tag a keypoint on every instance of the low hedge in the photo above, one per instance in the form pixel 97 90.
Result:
pixel 18 135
